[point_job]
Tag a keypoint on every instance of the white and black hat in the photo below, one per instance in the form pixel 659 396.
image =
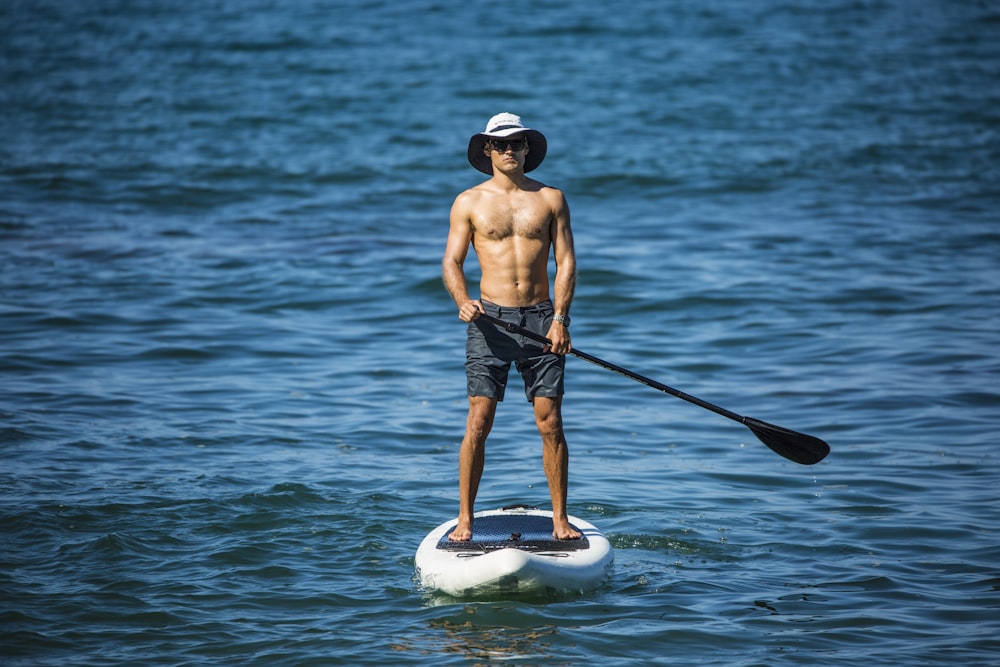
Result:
pixel 505 125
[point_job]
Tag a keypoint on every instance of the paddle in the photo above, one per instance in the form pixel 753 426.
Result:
pixel 794 446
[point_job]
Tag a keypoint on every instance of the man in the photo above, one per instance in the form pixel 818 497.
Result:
pixel 512 222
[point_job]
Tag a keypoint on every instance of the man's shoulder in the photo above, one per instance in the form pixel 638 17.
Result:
pixel 553 196
pixel 470 197
pixel 549 190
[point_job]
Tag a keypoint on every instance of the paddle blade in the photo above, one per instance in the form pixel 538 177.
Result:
pixel 794 446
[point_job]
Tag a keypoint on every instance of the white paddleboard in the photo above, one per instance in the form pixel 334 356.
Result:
pixel 512 551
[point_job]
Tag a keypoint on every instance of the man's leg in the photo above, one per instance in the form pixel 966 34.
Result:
pixel 471 459
pixel 555 460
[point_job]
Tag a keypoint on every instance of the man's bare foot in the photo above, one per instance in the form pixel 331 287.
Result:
pixel 462 532
pixel 561 530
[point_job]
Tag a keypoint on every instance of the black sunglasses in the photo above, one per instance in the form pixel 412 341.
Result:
pixel 501 145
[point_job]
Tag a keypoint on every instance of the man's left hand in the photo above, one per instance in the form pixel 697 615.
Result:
pixel 559 335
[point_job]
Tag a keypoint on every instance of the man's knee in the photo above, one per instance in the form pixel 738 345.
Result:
pixel 481 412
pixel 548 417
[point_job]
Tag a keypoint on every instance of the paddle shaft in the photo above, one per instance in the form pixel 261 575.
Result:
pixel 649 382
pixel 795 446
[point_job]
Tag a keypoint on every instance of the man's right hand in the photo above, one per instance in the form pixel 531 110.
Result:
pixel 470 310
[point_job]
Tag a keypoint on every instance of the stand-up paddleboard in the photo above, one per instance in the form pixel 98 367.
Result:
pixel 512 551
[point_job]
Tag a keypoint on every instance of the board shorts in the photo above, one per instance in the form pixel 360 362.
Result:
pixel 490 350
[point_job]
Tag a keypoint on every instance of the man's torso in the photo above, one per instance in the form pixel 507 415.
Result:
pixel 512 237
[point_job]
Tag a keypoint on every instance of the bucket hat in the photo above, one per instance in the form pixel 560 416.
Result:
pixel 505 125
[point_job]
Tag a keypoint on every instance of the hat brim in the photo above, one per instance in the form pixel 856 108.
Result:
pixel 537 147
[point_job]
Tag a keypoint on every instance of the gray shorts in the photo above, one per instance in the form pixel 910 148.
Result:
pixel 490 350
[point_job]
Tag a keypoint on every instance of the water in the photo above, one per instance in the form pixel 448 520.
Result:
pixel 232 381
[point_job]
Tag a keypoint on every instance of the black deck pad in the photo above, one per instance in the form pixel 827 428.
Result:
pixel 512 531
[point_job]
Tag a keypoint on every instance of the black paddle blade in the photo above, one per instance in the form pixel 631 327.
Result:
pixel 794 446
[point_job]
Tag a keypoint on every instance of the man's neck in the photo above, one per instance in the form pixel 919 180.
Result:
pixel 512 181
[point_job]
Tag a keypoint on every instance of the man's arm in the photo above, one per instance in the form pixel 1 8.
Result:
pixel 453 263
pixel 564 283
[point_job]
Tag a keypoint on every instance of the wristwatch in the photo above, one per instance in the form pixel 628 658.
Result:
pixel 561 319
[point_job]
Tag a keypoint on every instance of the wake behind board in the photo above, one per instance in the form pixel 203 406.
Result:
pixel 512 551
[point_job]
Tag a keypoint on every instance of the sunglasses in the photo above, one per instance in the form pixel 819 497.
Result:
pixel 501 145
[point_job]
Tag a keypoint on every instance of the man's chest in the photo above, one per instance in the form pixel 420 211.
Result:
pixel 521 220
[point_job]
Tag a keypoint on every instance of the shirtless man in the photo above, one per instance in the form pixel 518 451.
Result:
pixel 512 221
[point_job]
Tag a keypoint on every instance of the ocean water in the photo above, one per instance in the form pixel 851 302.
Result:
pixel 231 385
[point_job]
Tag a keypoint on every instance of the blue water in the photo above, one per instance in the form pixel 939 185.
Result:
pixel 232 388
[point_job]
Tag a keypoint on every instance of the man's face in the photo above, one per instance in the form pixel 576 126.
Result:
pixel 507 153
